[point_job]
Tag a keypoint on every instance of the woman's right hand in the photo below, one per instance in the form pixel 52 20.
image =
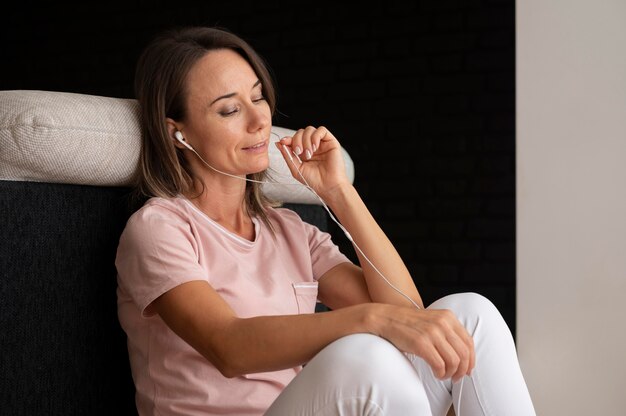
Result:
pixel 435 335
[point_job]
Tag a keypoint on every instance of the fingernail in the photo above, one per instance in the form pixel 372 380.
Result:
pixel 297 150
pixel 288 153
pixel 314 147
pixel 307 154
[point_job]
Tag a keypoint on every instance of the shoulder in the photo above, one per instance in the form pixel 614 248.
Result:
pixel 157 213
pixel 159 208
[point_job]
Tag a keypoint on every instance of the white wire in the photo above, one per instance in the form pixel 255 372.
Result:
pixel 306 185
pixel 457 410
pixel 353 242
pixel 458 407
pixel 238 177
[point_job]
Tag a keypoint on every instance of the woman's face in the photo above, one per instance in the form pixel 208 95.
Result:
pixel 228 119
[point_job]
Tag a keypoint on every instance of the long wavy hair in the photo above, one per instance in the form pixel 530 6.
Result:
pixel 160 88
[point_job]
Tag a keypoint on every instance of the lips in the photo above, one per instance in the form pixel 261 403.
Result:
pixel 259 145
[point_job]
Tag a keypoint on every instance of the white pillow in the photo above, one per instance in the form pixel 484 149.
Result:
pixel 60 137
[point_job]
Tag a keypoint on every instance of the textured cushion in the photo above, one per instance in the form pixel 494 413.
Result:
pixel 60 137
pixel 68 138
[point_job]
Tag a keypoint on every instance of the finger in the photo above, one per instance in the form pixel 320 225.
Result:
pixel 285 151
pixel 307 147
pixel 463 344
pixel 287 142
pixel 462 351
pixel 434 359
pixel 472 361
pixel 468 343
pixel 437 352
pixel 450 357
pixel 296 142
pixel 292 160
pixel 454 345
pixel 317 137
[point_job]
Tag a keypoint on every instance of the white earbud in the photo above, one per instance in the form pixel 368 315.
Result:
pixel 180 138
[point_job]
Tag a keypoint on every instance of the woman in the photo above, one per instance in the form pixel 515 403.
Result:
pixel 217 288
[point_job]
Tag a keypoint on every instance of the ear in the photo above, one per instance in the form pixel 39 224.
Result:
pixel 173 127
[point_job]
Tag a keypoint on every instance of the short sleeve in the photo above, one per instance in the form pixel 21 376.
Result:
pixel 157 251
pixel 324 252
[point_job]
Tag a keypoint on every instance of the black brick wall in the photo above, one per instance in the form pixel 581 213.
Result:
pixel 421 94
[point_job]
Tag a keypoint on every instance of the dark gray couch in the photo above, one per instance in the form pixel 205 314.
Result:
pixel 62 350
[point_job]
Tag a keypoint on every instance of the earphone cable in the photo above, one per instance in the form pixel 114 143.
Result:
pixel 306 184
pixel 345 231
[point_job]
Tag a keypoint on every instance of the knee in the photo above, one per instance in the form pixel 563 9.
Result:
pixel 371 360
pixel 365 352
pixel 471 308
pixel 375 368
pixel 468 301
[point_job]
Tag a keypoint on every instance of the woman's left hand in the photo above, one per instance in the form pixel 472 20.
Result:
pixel 321 158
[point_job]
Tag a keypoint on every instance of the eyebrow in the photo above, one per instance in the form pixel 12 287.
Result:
pixel 232 94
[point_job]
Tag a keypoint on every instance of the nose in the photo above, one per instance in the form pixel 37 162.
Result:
pixel 259 116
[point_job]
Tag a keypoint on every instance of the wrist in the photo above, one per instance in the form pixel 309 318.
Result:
pixel 338 194
pixel 373 318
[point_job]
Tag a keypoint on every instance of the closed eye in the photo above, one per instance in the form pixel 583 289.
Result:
pixel 229 112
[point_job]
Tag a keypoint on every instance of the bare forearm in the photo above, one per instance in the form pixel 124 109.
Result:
pixel 347 205
pixel 273 343
pixel 269 343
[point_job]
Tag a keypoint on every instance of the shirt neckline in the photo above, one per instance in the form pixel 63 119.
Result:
pixel 237 238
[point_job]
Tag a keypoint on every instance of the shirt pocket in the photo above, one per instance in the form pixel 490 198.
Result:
pixel 306 296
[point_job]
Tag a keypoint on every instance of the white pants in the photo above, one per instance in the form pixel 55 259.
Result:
pixel 363 374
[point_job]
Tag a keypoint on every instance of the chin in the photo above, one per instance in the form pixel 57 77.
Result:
pixel 260 168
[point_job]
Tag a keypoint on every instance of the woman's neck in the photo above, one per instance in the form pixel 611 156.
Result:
pixel 226 206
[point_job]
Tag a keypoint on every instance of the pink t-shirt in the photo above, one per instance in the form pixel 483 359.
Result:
pixel 169 242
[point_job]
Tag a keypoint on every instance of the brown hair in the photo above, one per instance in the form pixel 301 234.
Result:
pixel 160 88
